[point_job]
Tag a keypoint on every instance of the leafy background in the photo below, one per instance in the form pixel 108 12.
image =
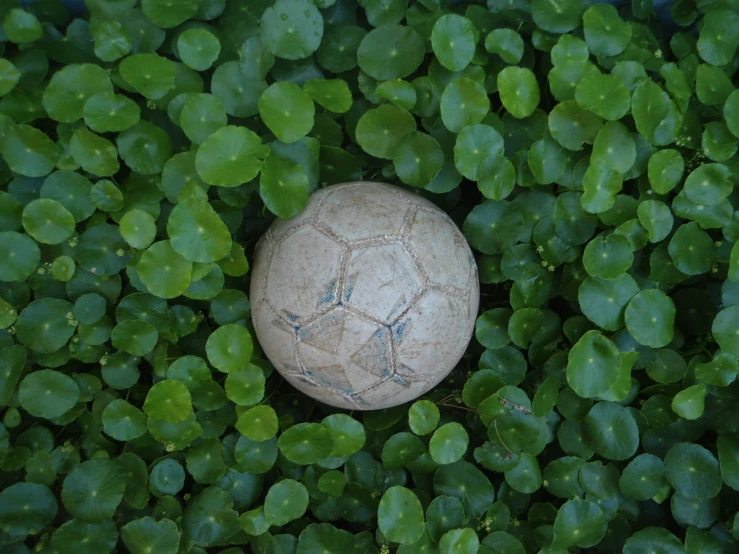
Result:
pixel 590 158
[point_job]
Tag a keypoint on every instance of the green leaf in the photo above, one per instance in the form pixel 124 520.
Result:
pixel 601 183
pixel 496 177
pixel 418 159
pixel 45 325
pixel 149 74
pixel 656 218
pixel 48 221
pixel 168 400
pixel 557 16
pixel 93 490
pixel 604 95
pixel 145 148
pixel 76 535
pixel 347 434
pixel 665 169
pixel 287 110
pixel 724 328
pixel 474 144
pixel 22 27
pixel 653 539
pixel 283 186
pixel 197 233
pixel 96 154
pixel 692 249
pixel 423 417
pixel 306 443
pixel 708 184
pixel 593 365
pixel 399 92
pixel 229 348
pixel 453 39
pixel 609 257
pixel 390 52
pixel 717 43
pixel 692 471
pixel 292 29
pixel 198 48
pixel 731 113
pixel 138 228
pixel 163 271
pixel 380 131
pixel 201 116
pixel 246 386
pixel 112 40
pixel 463 102
pixel 728 451
pixel 25 507
pixel 230 157
pixel 148 535
pixel 324 538
pixel 605 32
pixel 21 255
pixel 209 518
pixel 712 85
pixel 106 112
pixel 689 403
pixel 579 523
pixel 28 151
pixel 611 431
pixel 650 318
pixel 507 43
pixel 135 337
pixel 614 146
pixel 463 541
pixel 570 125
pixel 400 515
pixel 401 449
pixel 167 15
pixel 285 502
pixel 656 116
pixel 448 443
pixel 123 421
pixel 332 94
pixel 70 89
pixel 258 424
pixel 643 477
pixel 547 161
pixel 519 91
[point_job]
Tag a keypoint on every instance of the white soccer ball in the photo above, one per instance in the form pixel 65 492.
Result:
pixel 367 298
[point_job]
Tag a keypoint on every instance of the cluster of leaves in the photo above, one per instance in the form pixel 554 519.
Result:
pixel 591 160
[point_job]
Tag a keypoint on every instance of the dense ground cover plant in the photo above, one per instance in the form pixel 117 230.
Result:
pixel 591 160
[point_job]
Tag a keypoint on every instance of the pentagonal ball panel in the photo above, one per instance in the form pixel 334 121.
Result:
pixel 441 249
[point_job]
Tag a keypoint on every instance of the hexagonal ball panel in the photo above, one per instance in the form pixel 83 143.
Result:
pixel 434 334
pixel 381 280
pixel 303 277
pixel 440 249
pixel 362 212
pixel 344 351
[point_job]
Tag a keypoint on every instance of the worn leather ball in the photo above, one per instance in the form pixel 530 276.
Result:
pixel 367 298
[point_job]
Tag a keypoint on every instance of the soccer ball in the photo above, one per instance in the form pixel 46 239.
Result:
pixel 367 298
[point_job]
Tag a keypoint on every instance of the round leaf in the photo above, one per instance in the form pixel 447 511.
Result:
pixel 400 515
